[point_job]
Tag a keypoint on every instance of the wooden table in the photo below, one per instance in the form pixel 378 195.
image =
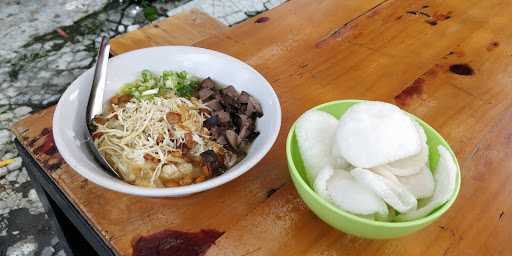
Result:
pixel 449 62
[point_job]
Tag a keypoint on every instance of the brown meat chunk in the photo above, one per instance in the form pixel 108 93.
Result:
pixel 150 158
pixel 222 140
pixel 170 183
pixel 205 93
pixel 205 111
pixel 230 91
pixel 223 116
pixel 114 100
pixel 206 170
pixel 241 121
pixel 100 120
pixel 233 118
pixel 252 136
pixel 122 99
pixel 96 135
pixel 200 179
pixel 253 108
pixel 207 83
pixel 189 140
pixel 244 97
pixel 175 153
pixel 187 180
pixel 230 159
pixel 256 107
pixel 159 139
pixel 244 132
pixel 232 138
pixel 214 105
pixel 212 161
pixel 173 118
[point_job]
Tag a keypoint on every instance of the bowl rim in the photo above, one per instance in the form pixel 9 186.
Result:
pixel 127 188
pixel 325 204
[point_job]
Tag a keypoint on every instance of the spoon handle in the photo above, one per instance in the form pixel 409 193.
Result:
pixel 95 104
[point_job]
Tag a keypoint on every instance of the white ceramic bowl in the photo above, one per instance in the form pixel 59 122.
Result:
pixel 68 120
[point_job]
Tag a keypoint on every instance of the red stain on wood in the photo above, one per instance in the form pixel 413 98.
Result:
pixel 53 163
pixel 337 35
pixel 415 88
pixel 418 13
pixel 442 16
pixel 492 45
pixel 454 53
pixel 172 242
pixel 262 20
pixel 431 22
pixel 44 132
pixel 44 150
pixel 438 17
pixel 373 13
pixel 48 146
pixel 431 72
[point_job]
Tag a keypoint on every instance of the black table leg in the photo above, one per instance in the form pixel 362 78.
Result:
pixel 52 217
pixel 73 225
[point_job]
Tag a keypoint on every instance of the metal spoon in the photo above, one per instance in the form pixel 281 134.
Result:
pixel 95 103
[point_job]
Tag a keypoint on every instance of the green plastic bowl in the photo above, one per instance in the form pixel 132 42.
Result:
pixel 348 222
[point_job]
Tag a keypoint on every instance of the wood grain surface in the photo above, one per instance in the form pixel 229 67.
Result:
pixel 182 29
pixel 448 62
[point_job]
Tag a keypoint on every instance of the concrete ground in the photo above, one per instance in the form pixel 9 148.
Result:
pixel 44 46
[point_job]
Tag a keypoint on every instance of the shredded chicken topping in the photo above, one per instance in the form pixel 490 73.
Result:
pixel 157 142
